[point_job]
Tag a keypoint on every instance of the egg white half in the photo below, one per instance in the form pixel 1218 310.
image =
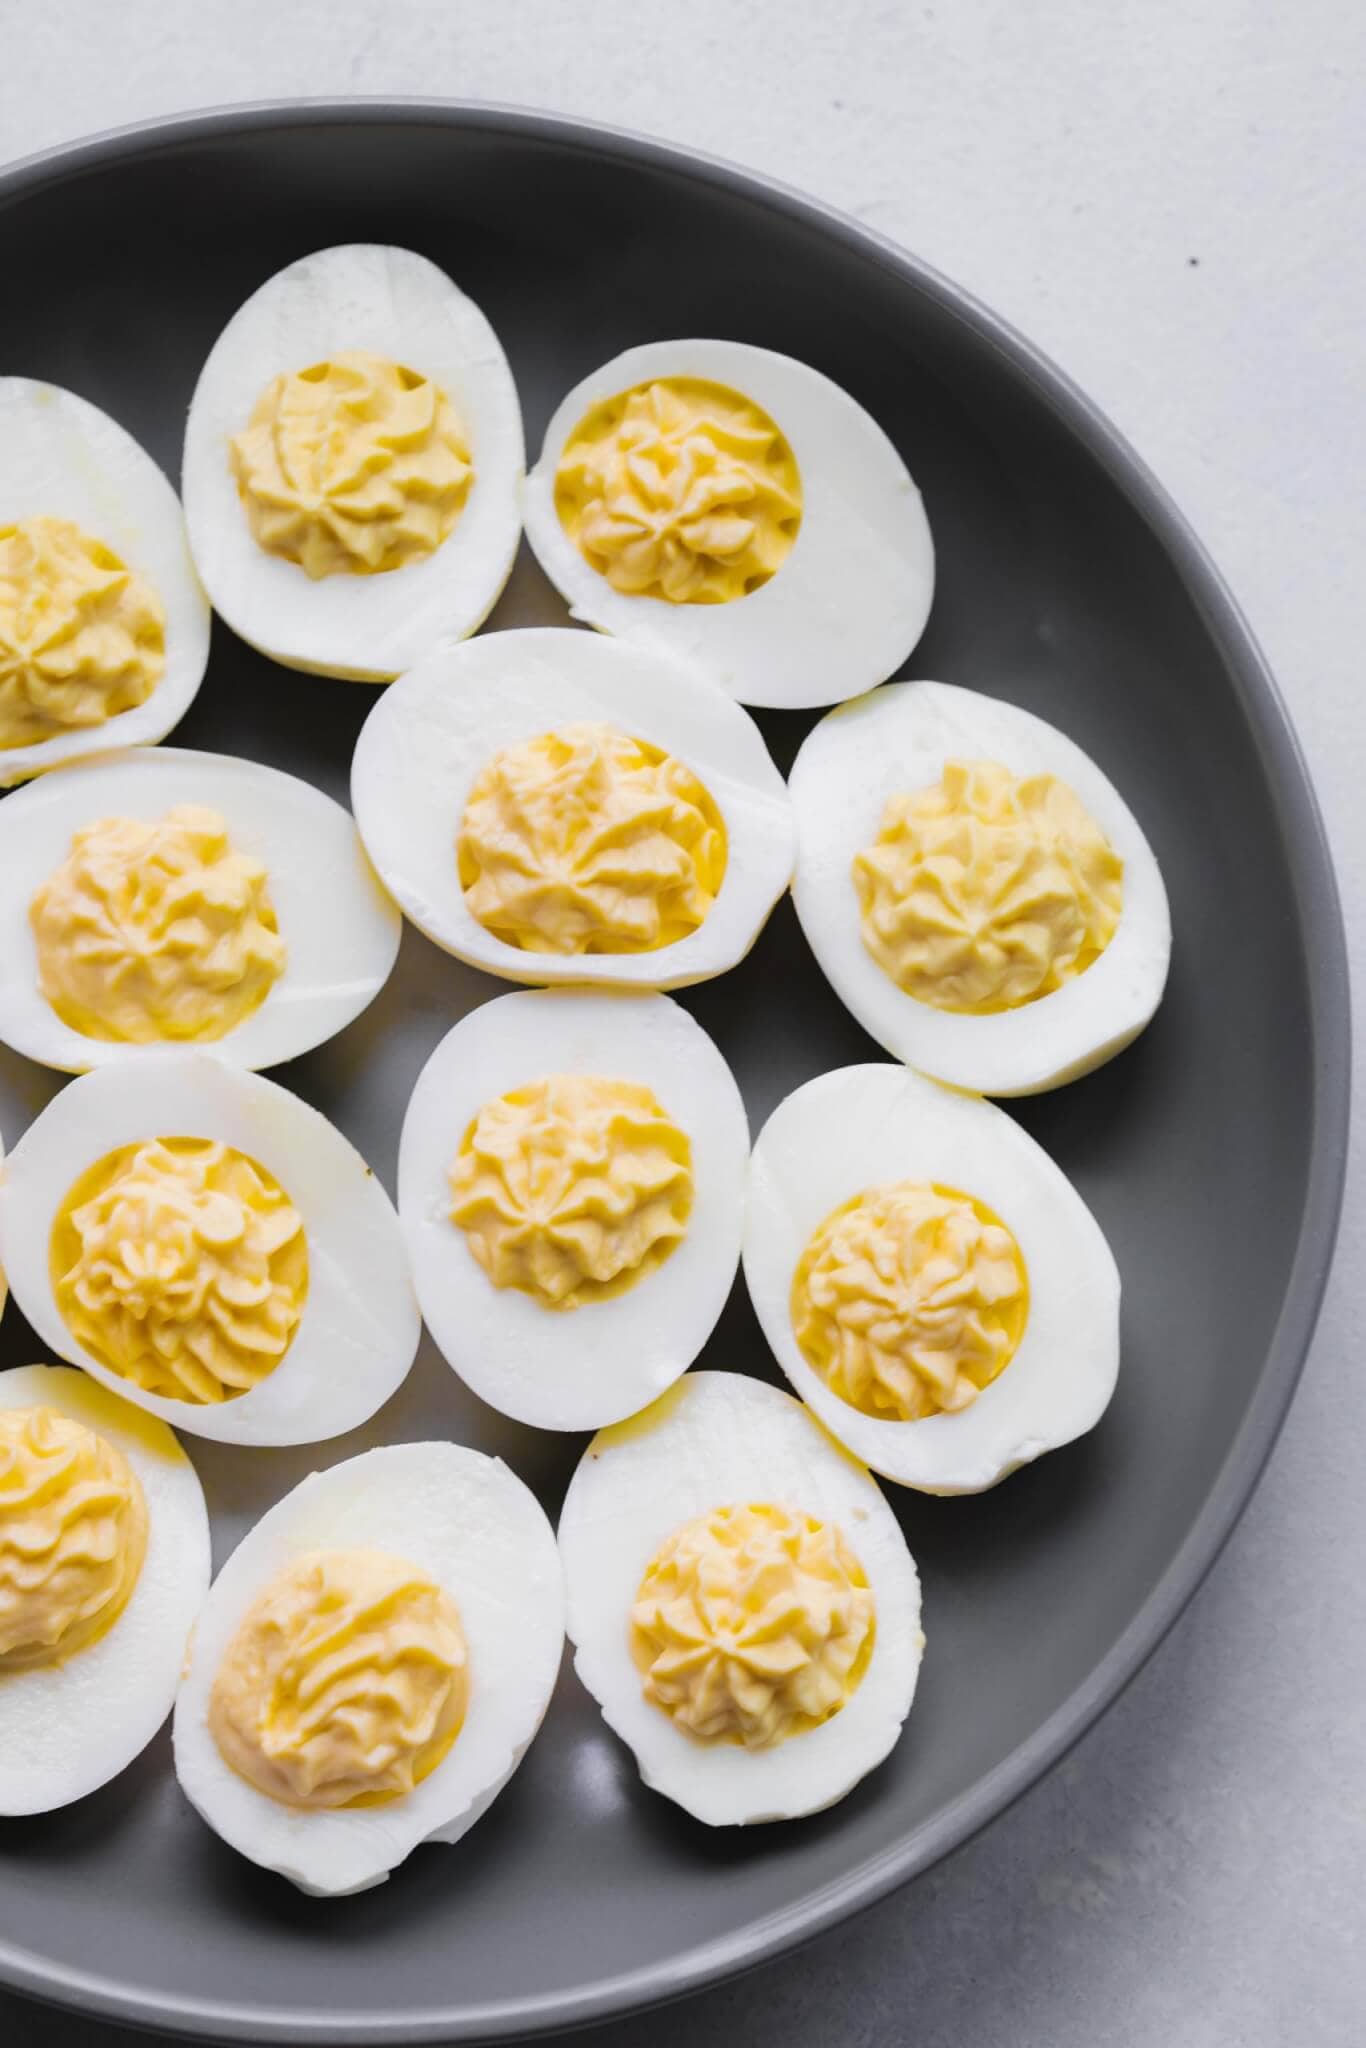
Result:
pixel 341 929
pixel 713 1439
pixel 360 1326
pixel 397 304
pixel 474 1527
pixel 859 1127
pixel 62 458
pixel 67 1728
pixel 431 733
pixel 898 739
pixel 851 599
pixel 583 1367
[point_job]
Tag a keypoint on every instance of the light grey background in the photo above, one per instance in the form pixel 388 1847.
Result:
pixel 1167 195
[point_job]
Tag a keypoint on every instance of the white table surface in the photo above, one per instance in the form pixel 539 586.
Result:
pixel 1167 195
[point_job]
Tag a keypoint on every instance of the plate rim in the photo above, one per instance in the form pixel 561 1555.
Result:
pixel 1313 880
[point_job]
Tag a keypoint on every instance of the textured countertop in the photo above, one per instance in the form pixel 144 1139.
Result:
pixel 1167 195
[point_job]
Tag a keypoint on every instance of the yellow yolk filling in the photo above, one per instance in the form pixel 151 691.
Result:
pixel 752 1623
pixel 73 1534
pixel 987 890
pixel 680 489
pixel 345 1684
pixel 586 841
pixel 909 1300
pixel 82 636
pixel 573 1188
pixel 156 929
pixel 181 1265
pixel 355 465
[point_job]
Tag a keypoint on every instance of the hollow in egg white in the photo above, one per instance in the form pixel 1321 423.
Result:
pixel 736 508
pixel 211 1248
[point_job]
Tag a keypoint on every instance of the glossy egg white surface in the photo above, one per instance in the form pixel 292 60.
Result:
pixel 574 1368
pixel 716 1438
pixel 393 303
pixel 851 599
pixel 67 1728
pixel 474 1527
pixel 360 1326
pixel 340 927
pixel 62 458
pixel 429 736
pixel 899 739
pixel 860 1127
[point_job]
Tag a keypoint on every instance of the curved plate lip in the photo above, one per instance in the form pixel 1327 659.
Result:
pixel 1316 891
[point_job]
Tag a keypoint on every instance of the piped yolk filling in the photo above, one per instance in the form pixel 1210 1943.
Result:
pixel 82 636
pixel 753 1623
pixel 156 929
pixel 572 1188
pixel 345 1684
pixel 680 489
pixel 910 1299
pixel 987 890
pixel 181 1265
pixel 356 465
pixel 584 840
pixel 73 1535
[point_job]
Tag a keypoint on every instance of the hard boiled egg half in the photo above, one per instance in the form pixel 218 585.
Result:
pixel 932 1284
pixel 104 630
pixel 571 1181
pixel 210 1247
pixel 555 807
pixel 742 1602
pixel 371 1664
pixel 159 896
pixel 736 508
pixel 104 1560
pixel 353 464
pixel 975 888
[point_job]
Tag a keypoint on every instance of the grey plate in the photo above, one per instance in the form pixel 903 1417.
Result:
pixel 1212 1152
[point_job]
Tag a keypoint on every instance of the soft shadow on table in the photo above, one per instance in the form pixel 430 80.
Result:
pixel 938 1961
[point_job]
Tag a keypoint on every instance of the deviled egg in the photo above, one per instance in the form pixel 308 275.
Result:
pixel 353 464
pixel 104 630
pixel 742 1602
pixel 212 1248
pixel 160 896
pixel 975 889
pixel 371 1664
pixel 571 1181
pixel 736 508
pixel 104 1560
pixel 932 1284
pixel 555 807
